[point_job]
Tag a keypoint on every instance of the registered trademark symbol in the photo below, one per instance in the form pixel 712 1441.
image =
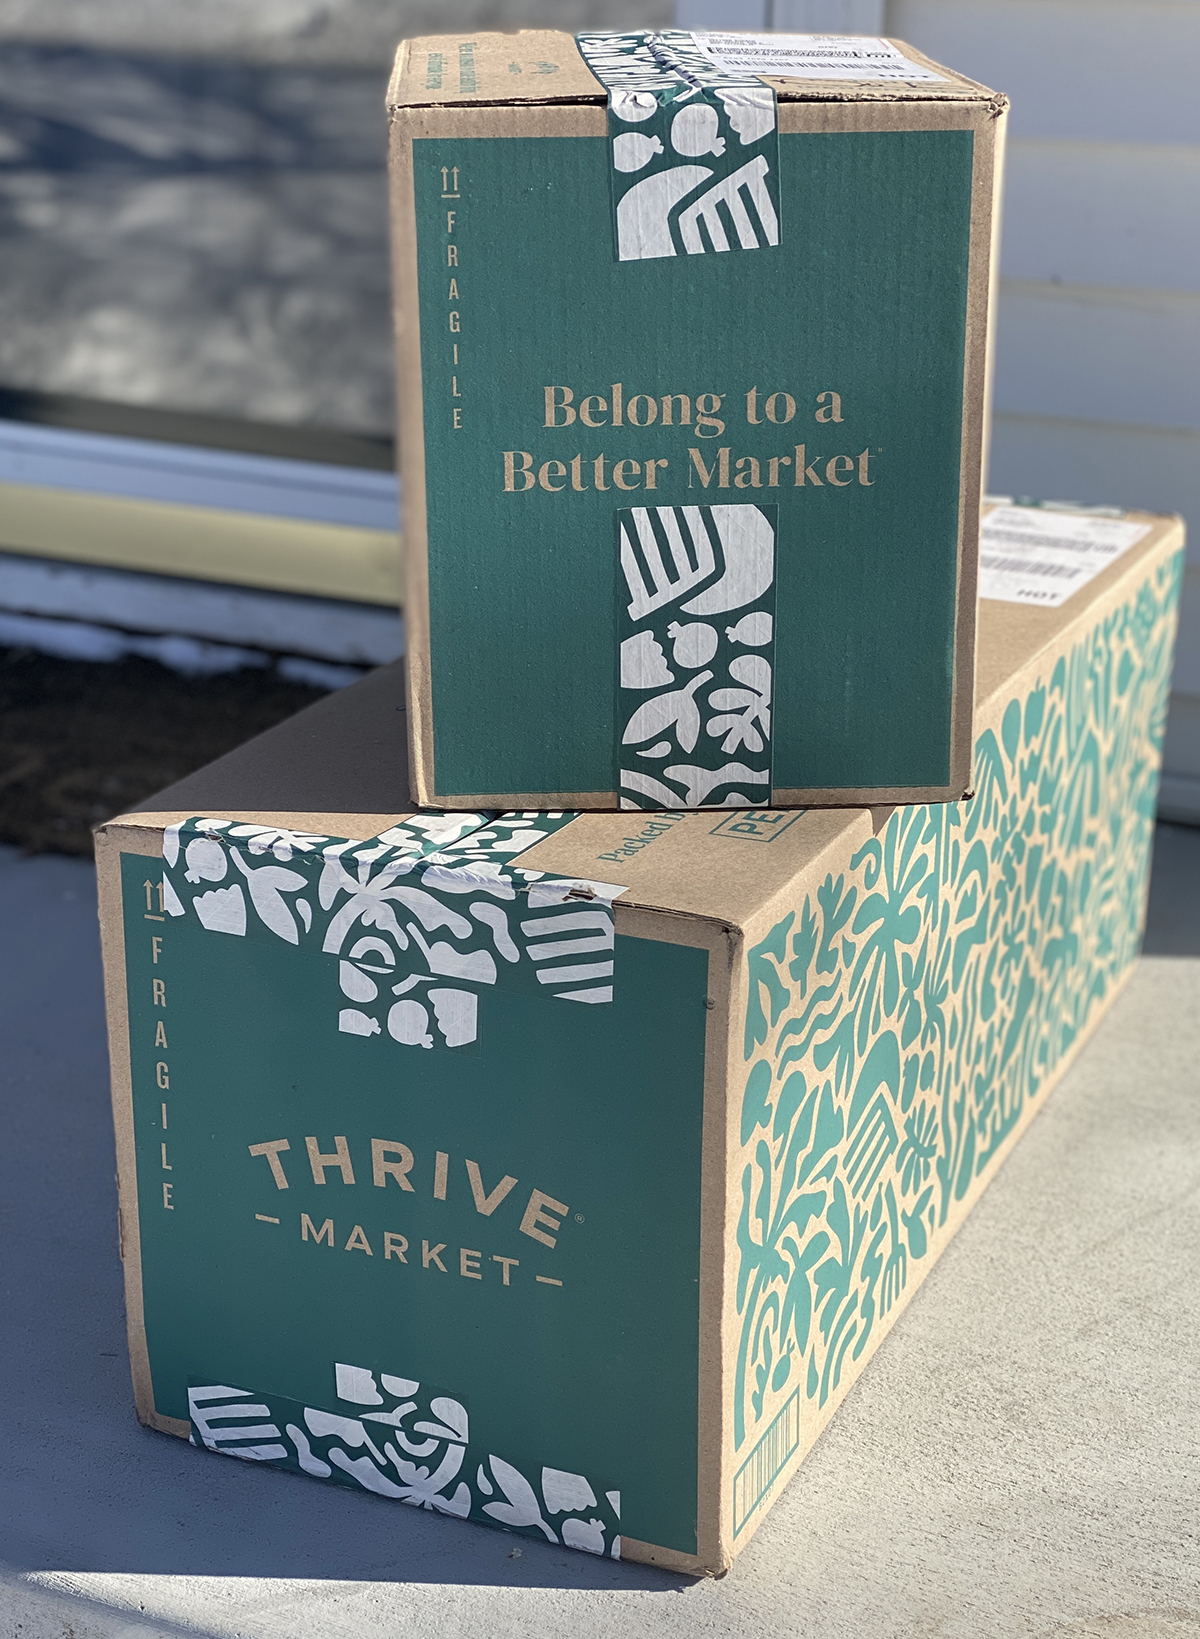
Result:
pixel 579 1217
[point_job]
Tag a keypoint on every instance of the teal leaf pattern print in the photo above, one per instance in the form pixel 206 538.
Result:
pixel 904 1018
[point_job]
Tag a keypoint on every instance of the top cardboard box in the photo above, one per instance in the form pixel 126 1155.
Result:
pixel 692 368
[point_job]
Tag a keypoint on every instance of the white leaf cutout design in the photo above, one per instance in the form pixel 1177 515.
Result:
pixel 676 708
pixel 748 542
pixel 566 1493
pixel 267 885
pixel 223 910
pixel 643 664
pixel 698 782
pixel 522 1505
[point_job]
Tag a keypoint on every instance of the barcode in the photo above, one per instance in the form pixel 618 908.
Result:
pixel 1037 538
pixel 766 1462
pixel 823 52
pixel 1028 566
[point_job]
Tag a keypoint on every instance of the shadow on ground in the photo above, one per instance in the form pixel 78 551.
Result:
pixel 82 740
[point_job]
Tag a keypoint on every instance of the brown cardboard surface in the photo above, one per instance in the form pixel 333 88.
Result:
pixel 571 80
pixel 696 866
pixel 1013 635
pixel 340 761
pixel 112 942
pixel 507 105
pixel 1016 651
pixel 535 49
pixel 690 882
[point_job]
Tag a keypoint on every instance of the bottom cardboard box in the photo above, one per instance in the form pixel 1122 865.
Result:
pixel 563 1172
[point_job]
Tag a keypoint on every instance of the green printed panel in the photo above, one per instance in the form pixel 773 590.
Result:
pixel 548 1288
pixel 823 379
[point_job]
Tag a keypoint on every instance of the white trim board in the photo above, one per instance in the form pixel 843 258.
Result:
pixel 126 601
pixel 146 470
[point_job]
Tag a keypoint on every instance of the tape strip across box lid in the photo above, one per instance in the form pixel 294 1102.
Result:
pixel 696 634
pixel 694 147
pixel 420 919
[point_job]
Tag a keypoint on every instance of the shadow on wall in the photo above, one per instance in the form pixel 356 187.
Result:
pixel 1173 919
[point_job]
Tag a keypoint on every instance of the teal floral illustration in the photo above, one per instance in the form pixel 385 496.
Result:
pixel 918 1151
pixel 902 1020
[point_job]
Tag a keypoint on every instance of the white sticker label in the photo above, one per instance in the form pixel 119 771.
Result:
pixel 811 57
pixel 1027 555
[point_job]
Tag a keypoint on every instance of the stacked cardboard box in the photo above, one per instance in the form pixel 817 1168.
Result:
pixel 562 1172
pixel 692 347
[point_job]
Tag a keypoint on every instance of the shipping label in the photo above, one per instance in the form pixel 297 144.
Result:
pixel 1034 555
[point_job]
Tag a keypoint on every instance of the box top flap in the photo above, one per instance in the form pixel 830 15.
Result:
pixel 1013 634
pixel 340 764
pixel 723 865
pixel 536 66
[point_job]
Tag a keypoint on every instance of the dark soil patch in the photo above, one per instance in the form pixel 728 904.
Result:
pixel 81 741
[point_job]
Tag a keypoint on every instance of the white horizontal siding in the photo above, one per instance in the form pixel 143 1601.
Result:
pixel 1102 213
pixel 278 622
pixel 62 458
pixel 1098 464
pixel 1098 320
pixel 721 13
pixel 1133 467
pixel 1104 69
pixel 827 16
pixel 1096 354
pixel 786 16
pixel 1180 794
